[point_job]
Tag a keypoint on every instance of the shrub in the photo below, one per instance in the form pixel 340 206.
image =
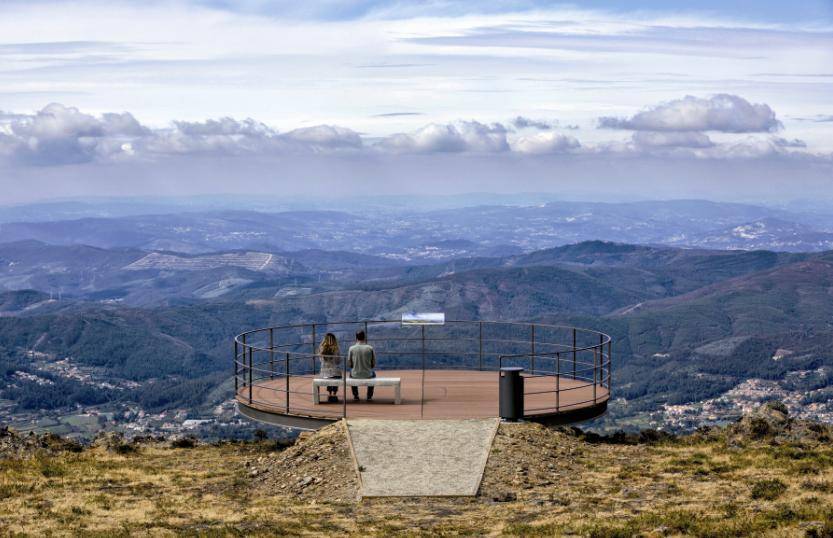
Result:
pixel 52 469
pixel 768 490
pixel 759 427
pixel 184 442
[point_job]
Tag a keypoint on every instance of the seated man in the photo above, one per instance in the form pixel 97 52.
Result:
pixel 362 360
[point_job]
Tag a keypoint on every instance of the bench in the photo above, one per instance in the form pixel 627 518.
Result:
pixel 394 382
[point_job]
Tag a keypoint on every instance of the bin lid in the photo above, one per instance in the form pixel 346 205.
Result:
pixel 512 369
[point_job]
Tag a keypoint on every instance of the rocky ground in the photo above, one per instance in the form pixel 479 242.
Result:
pixel 766 475
pixel 318 467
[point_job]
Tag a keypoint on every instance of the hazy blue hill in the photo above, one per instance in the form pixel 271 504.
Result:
pixel 16 301
pixel 415 236
pixel 791 297
pixel 767 232
pixel 655 271
pixel 31 253
pixel 131 275
pixel 327 260
pixel 192 232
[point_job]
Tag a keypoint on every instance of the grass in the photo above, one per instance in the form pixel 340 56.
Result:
pixel 702 488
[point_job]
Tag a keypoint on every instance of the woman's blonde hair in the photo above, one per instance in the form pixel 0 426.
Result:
pixel 329 346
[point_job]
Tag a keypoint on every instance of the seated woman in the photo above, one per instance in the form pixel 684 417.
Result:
pixel 330 356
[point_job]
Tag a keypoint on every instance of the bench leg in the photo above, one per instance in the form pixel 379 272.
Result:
pixel 398 393
pixel 316 397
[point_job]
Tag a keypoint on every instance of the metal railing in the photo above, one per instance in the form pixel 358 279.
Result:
pixel 274 363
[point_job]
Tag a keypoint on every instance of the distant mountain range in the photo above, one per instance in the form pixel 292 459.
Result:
pixel 428 236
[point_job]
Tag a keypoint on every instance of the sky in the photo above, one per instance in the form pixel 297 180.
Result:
pixel 711 99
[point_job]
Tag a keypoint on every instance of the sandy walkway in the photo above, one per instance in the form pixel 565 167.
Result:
pixel 421 457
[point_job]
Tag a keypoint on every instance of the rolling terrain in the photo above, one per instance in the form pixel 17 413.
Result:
pixel 699 334
pixel 130 316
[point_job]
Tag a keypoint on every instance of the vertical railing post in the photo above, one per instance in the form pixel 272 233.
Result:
pixel 575 347
pixel 313 349
pixel 532 346
pixel 480 353
pixel 596 365
pixel 344 385
pixel 271 353
pixel 422 388
pixel 243 362
pixel 499 368
pixel 236 352
pixel 286 375
pixel 609 363
pixel 251 360
pixel 557 382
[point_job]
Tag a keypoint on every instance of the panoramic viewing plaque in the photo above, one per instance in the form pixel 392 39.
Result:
pixel 423 318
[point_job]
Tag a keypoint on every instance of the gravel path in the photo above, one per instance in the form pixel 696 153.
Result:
pixel 421 457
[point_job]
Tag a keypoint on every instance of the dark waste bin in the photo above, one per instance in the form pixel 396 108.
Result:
pixel 511 393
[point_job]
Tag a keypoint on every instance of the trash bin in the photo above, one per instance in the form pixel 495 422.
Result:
pixel 511 393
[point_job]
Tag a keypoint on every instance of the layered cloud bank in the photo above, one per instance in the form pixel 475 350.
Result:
pixel 60 135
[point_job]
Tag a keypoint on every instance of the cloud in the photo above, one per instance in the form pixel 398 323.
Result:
pixel 224 127
pixel 654 139
pixel 322 137
pixel 749 148
pixel 224 136
pixel 546 143
pixel 397 114
pixel 723 112
pixel 58 134
pixel 698 146
pixel 450 138
pixel 520 122
pixel 236 137
pixel 785 143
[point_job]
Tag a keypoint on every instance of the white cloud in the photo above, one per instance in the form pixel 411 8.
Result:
pixel 722 112
pixel 450 138
pixel 224 127
pixel 654 139
pixel 224 136
pixel 546 143
pixel 58 134
pixel 323 137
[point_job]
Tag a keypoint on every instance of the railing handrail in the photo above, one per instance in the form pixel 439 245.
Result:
pixel 399 321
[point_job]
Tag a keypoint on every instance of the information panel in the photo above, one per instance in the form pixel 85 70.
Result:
pixel 423 318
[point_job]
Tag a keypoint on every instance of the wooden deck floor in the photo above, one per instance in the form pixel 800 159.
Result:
pixel 447 394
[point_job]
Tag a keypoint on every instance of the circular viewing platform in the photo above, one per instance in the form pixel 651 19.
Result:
pixel 444 371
